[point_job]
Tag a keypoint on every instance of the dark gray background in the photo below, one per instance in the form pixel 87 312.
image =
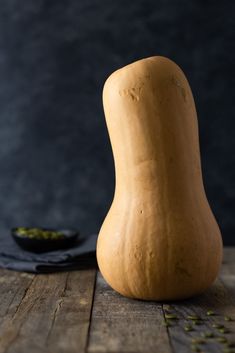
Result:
pixel 56 166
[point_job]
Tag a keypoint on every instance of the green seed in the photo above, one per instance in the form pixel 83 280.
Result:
pixel 219 326
pixel 21 231
pixel 228 318
pixel 210 313
pixel 208 334
pixel 223 330
pixel 171 316
pixel 197 322
pixel 167 323
pixel 188 328
pixel 221 339
pixel 198 340
pixel 193 317
pixel 195 348
pixel 37 233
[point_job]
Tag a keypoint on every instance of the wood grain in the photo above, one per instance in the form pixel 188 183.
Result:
pixel 53 315
pixel 229 255
pixel 13 287
pixel 124 325
pixel 220 298
pixel 228 279
pixel 216 299
pixel 228 267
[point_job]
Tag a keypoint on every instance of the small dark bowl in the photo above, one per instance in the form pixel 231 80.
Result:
pixel 37 245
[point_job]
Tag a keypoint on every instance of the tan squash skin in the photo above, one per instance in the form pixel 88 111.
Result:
pixel 160 240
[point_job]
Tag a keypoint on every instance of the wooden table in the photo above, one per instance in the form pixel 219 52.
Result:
pixel 75 312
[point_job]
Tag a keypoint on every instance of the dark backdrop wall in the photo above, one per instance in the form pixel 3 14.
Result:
pixel 56 166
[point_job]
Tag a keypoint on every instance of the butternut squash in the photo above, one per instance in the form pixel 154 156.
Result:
pixel 160 240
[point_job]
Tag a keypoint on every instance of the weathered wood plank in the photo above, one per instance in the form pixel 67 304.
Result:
pixel 71 319
pixel 228 267
pixel 229 255
pixel 13 287
pixel 53 315
pixel 219 300
pixel 50 313
pixel 120 325
pixel 227 276
pixel 110 334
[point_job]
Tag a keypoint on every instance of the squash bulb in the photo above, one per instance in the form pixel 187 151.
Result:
pixel 160 240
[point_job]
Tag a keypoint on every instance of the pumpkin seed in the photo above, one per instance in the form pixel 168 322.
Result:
pixel 219 326
pixel 208 334
pixel 193 317
pixel 38 233
pixel 210 313
pixel 198 340
pixel 223 330
pixel 188 328
pixel 228 318
pixel 197 322
pixel 171 316
pixel 167 323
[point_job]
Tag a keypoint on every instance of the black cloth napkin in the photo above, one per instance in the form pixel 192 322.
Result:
pixel 81 256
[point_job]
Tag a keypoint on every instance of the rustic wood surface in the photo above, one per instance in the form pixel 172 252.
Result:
pixel 77 312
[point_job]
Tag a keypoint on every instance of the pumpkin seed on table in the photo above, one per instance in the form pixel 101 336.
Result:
pixel 223 330
pixel 196 348
pixel 228 318
pixel 167 323
pixel 210 313
pixel 188 328
pixel 171 316
pixel 198 340
pixel 208 334
pixel 221 339
pixel 219 326
pixel 193 317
